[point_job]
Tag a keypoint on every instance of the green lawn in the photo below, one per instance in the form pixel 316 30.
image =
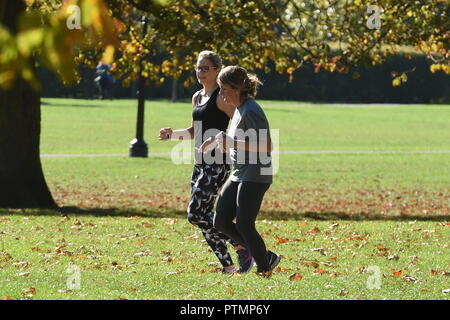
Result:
pixel 128 234
pixel 94 126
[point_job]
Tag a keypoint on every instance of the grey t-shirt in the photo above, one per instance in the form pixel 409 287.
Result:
pixel 250 123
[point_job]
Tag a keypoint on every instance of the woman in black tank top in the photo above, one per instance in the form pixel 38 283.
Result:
pixel 210 115
pixel 209 120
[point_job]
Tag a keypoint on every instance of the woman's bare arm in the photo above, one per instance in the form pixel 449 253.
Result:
pixel 187 133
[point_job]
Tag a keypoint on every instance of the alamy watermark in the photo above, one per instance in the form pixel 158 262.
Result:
pixel 374 21
pixel 73 281
pixel 374 281
pixel 269 161
pixel 74 19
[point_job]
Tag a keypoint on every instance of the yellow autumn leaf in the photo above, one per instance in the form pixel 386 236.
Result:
pixel 435 67
pixel 108 55
pixel 28 41
pixel 396 82
pixel 404 77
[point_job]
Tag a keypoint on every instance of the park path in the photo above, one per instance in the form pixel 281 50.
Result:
pixel 167 154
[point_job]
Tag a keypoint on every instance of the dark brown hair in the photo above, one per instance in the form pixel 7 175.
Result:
pixel 238 78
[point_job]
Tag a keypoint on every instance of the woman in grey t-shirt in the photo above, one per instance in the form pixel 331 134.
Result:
pixel 249 144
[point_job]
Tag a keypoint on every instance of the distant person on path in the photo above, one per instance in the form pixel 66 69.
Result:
pixel 210 115
pixel 104 81
pixel 251 177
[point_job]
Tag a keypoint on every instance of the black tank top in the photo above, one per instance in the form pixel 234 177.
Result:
pixel 212 119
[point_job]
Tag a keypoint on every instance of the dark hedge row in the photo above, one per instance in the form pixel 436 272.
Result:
pixel 373 86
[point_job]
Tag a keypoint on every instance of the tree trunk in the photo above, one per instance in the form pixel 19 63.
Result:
pixel 22 182
pixel 174 90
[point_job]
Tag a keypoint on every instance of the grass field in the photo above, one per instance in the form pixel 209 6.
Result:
pixel 331 216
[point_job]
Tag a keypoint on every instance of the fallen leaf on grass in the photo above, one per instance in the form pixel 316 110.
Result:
pixel 206 270
pixel 334 274
pixel 230 292
pixel 98 266
pixel 279 269
pixel 4 256
pixel 5 298
pixel 303 224
pixel 29 293
pixel 140 243
pixel 117 267
pixel 383 252
pixel 141 254
pixel 64 253
pixel 321 250
pixel 64 291
pixel 313 231
pixel 281 240
pixel 343 292
pixel 310 263
pixel 21 264
pixel 354 238
pixel 320 271
pixel 397 273
pixel 295 277
pixel 147 225
pixel 193 236
pixel 439 272
pixel 170 221
pixel 409 278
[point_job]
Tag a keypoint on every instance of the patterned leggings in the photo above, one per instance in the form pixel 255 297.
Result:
pixel 205 183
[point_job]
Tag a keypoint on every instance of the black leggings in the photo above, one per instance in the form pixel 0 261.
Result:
pixel 206 182
pixel 242 200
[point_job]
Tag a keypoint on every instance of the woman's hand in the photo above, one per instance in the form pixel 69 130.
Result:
pixel 221 141
pixel 208 145
pixel 224 142
pixel 165 134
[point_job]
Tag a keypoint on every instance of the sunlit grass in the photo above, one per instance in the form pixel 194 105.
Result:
pixel 331 216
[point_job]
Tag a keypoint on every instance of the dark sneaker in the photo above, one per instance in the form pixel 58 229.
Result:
pixel 232 271
pixel 246 260
pixel 274 260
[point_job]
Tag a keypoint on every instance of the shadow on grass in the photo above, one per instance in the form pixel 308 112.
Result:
pixel 167 212
pixel 360 216
pixel 92 104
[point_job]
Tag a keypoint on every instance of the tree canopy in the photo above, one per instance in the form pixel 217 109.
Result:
pixel 331 35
